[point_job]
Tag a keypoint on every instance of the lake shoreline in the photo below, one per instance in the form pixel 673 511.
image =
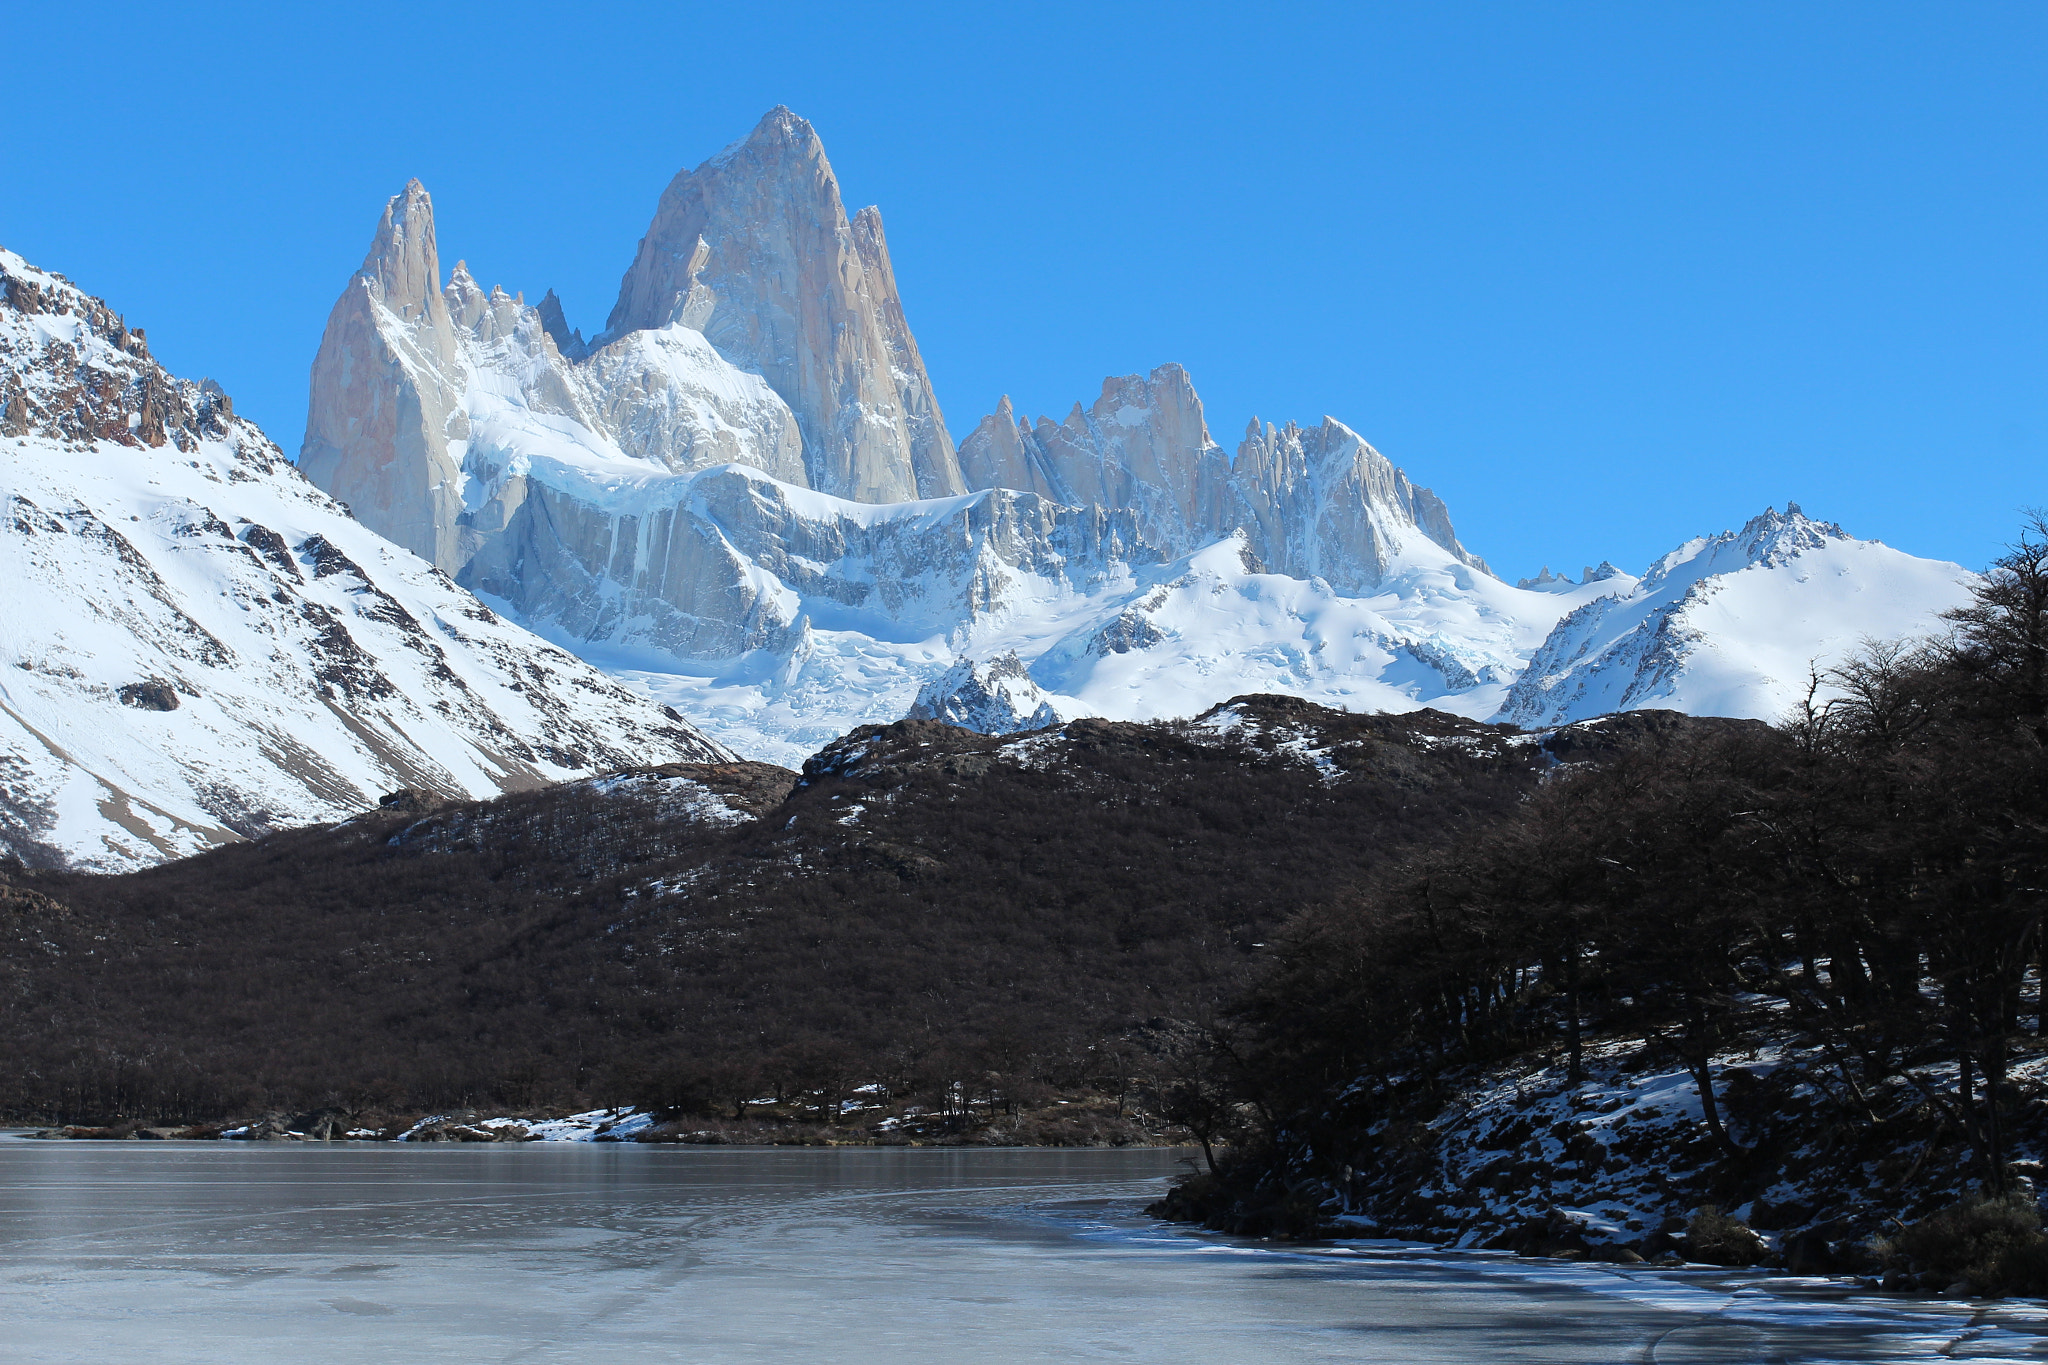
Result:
pixel 1067 1124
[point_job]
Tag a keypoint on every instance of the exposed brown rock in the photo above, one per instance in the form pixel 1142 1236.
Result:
pixel 153 694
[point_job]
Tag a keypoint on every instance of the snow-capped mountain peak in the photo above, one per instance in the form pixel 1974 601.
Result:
pixel 1769 539
pixel 1733 624
pixel 402 268
pixel 756 244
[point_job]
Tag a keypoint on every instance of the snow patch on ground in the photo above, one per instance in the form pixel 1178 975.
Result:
pixel 596 1125
pixel 674 795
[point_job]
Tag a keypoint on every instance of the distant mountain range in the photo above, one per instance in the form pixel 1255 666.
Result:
pixel 742 496
pixel 741 503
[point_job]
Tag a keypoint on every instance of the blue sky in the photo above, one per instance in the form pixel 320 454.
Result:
pixel 1605 277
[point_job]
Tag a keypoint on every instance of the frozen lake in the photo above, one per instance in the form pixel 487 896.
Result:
pixel 225 1253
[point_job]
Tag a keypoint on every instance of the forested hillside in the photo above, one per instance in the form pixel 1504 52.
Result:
pixel 923 906
pixel 1792 972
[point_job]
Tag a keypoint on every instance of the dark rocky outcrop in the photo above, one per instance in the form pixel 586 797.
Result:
pixel 154 694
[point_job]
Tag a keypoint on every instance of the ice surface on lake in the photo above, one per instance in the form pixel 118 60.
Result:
pixel 227 1253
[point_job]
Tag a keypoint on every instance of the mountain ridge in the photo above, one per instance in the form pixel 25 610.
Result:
pixel 204 646
pixel 1750 617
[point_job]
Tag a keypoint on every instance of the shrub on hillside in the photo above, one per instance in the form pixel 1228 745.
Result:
pixel 1712 1236
pixel 1993 1244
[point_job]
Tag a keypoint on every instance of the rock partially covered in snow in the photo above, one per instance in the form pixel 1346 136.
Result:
pixel 1314 502
pixel 1329 506
pixel 995 696
pixel 1733 624
pixel 728 562
pixel 753 249
pixel 1143 446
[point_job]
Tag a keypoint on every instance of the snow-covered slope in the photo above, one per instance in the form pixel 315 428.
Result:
pixel 199 645
pixel 1733 624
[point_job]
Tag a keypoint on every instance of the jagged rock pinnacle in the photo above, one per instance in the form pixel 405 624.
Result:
pixel 804 298
pixel 403 262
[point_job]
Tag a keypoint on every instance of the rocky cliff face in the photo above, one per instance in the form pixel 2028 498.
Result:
pixel 1314 503
pixel 1327 505
pixel 728 562
pixel 385 424
pixel 1143 445
pixel 753 248
pixel 202 646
